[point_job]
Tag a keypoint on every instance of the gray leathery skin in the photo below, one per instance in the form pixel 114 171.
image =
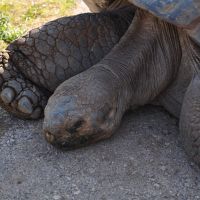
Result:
pixel 153 62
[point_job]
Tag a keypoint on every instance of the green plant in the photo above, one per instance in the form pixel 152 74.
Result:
pixel 33 12
pixel 8 33
pixel 66 5
pixel 16 16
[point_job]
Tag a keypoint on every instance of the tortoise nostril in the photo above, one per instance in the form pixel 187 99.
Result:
pixel 49 137
pixel 73 129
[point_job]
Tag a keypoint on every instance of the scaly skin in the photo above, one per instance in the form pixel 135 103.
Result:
pixel 65 47
pixel 18 95
pixel 51 54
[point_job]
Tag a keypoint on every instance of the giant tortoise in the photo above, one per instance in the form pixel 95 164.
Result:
pixel 86 71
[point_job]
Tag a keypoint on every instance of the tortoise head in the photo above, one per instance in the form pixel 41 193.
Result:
pixel 82 111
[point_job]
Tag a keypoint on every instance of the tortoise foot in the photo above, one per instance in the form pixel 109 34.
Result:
pixel 18 95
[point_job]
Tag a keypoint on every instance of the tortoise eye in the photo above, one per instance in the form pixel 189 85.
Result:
pixel 74 128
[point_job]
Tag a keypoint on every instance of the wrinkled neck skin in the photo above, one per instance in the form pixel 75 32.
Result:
pixel 172 98
pixel 101 5
pixel 190 53
pixel 146 59
pixel 155 58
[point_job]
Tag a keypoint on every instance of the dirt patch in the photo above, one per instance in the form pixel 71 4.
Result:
pixel 81 7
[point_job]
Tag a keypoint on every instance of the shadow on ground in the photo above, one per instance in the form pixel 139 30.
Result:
pixel 143 161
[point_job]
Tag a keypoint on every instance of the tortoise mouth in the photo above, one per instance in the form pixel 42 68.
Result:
pixel 69 143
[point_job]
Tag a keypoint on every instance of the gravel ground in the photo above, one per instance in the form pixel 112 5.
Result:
pixel 144 160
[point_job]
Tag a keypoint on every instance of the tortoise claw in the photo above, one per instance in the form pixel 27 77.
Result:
pixel 7 95
pixel 25 105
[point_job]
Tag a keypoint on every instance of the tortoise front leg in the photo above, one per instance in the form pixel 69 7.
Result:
pixel 67 46
pixel 18 95
pixel 37 63
pixel 190 120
